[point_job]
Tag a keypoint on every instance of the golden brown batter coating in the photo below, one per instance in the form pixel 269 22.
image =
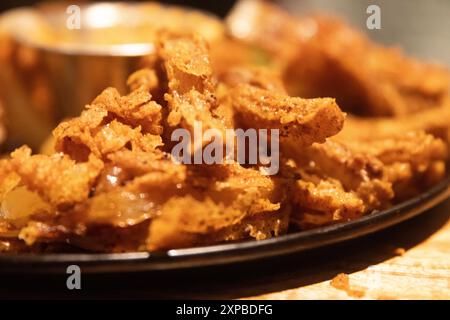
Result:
pixel 109 174
pixel 300 121
pixel 228 203
pixel 110 183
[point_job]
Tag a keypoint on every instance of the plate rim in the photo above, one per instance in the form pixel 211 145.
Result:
pixel 231 252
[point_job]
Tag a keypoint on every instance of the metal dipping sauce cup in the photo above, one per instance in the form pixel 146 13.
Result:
pixel 55 58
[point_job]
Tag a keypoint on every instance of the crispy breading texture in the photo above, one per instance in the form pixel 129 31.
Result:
pixel 351 176
pixel 108 172
pixel 111 123
pixel 320 201
pixel 111 184
pixel 255 76
pixel 413 161
pixel 57 178
pixel 301 121
pixel 228 203
pixel 190 90
pixel 344 180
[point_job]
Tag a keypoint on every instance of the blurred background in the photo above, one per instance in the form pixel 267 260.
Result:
pixel 44 86
pixel 421 27
pixel 218 7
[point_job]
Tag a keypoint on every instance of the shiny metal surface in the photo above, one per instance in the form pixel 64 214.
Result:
pixel 108 47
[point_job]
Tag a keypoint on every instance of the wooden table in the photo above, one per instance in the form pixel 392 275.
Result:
pixel 408 261
pixel 411 261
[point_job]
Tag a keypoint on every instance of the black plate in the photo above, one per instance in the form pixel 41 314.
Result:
pixel 227 253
